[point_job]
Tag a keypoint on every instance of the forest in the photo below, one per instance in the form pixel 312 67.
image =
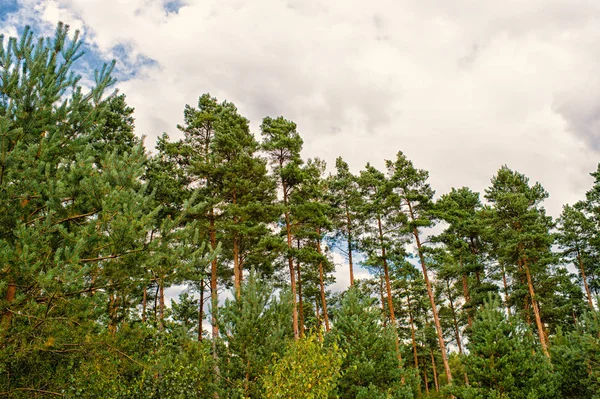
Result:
pixel 469 295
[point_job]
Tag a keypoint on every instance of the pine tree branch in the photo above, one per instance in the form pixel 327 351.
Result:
pixel 100 258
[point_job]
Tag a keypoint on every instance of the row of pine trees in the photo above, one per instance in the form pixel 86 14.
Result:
pixel 469 295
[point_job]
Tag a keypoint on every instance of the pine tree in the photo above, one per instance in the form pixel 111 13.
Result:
pixel 283 144
pixel 370 364
pixel 522 234
pixel 346 202
pixel 576 234
pixel 503 361
pixel 415 196
pixel 245 319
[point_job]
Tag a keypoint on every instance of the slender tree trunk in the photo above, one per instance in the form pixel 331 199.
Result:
pixel 412 334
pixel 112 314
pixel 236 267
pixel 237 272
pixel 536 311
pixel 466 294
pixel 414 345
pixel 436 319
pixel 201 311
pixel 435 377
pixel 214 295
pixel 317 314
pixel 506 296
pixel 156 301
pixel 388 285
pixel 584 278
pixel 11 293
pixel 322 284
pixel 161 303
pixel 349 227
pixel 426 380
pixel 300 300
pixel 144 304
pixel 456 329
pixel 382 300
pixel 288 228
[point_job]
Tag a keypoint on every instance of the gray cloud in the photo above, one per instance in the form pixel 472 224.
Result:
pixel 461 87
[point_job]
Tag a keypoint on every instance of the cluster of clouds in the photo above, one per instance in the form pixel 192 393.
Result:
pixel 461 87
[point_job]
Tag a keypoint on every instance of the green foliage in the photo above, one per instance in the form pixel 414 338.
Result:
pixel 370 367
pixel 308 369
pixel 504 361
pixel 244 323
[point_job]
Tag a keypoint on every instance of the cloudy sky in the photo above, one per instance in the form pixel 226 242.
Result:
pixel 461 87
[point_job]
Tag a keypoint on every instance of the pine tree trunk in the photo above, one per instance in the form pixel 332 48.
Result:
pixel 236 267
pixel 144 304
pixel 426 380
pixel 388 286
pixel 161 303
pixel 300 300
pixel 11 293
pixel 536 311
pixel 237 272
pixel 506 296
pixel 456 329
pixel 412 334
pixel 349 228
pixel 288 228
pixel 317 314
pixel 201 311
pixel 322 283
pixel 112 314
pixel 584 278
pixel 214 296
pixel 466 294
pixel 383 313
pixel 436 319
pixel 434 367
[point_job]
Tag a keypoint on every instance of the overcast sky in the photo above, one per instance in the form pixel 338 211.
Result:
pixel 461 87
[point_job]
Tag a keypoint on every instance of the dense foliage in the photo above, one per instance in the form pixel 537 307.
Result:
pixel 498 301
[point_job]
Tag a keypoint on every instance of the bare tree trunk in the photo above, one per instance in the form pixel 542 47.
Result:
pixel 382 300
pixel 435 377
pixel 161 303
pixel 349 224
pixel 466 294
pixel 236 267
pixel 584 278
pixel 144 304
pixel 426 379
pixel 11 293
pixel 436 319
pixel 536 311
pixel 288 228
pixel 322 283
pixel 456 330
pixel 388 285
pixel 214 295
pixel 412 334
pixel 112 314
pixel 201 311
pixel 506 296
pixel 300 300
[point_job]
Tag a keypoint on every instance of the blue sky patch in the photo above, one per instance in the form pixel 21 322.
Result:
pixel 173 6
pixel 7 7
